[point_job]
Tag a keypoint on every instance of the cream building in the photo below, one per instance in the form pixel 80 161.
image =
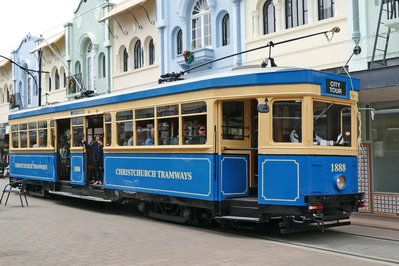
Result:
pixel 135 44
pixel 280 20
pixel 6 89
pixel 54 69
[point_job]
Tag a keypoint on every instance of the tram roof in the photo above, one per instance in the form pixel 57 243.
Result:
pixel 237 77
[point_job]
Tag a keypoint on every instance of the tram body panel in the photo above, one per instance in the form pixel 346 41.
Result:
pixel 78 169
pixel 35 166
pixel 287 180
pixel 181 175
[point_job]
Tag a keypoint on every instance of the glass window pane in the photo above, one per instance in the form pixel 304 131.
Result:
pixel 385 128
pixel 194 129
pixel 77 136
pixel 125 115
pixel 145 134
pixel 168 131
pixel 15 139
pixel 32 139
pixel 24 139
pixel 107 117
pixel 168 110
pixel 124 131
pixel 287 121
pixel 43 138
pixel 233 120
pixel 193 108
pixel 144 113
pixel 108 134
pixel 77 121
pixel 332 124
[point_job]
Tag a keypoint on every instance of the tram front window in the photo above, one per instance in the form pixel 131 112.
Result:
pixel 332 124
pixel 287 121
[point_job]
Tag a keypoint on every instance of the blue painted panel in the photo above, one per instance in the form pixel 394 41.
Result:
pixel 78 169
pixel 234 175
pixel 182 175
pixel 287 179
pixel 33 166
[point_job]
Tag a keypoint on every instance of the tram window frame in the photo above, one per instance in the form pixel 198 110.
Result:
pixel 287 125
pixel 168 124
pixel 144 124
pixel 42 134
pixel 124 124
pixel 77 124
pixel 23 135
pixel 192 119
pixel 233 128
pixel 15 131
pixel 52 132
pixel 32 135
pixel 337 129
pixel 108 129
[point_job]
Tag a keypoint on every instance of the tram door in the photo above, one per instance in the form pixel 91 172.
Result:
pixel 63 149
pixel 94 158
pixel 237 148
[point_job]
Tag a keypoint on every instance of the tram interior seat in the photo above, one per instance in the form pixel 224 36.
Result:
pixel 17 187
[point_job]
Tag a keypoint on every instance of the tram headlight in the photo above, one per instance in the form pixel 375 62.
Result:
pixel 341 182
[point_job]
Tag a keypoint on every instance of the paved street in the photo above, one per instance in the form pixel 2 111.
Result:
pixel 73 232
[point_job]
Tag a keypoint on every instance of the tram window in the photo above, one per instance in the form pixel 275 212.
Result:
pixel 194 129
pixel 108 131
pixel 169 110
pixel 168 131
pixel 332 124
pixel 23 135
pixel 78 136
pixel 32 135
pixel 145 132
pixel 193 108
pixel 233 120
pixel 14 136
pixel 124 128
pixel 77 131
pixel 287 121
pixel 52 129
pixel 144 113
pixel 42 133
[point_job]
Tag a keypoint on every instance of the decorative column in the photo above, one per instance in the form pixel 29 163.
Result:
pixel 237 27
pixel 255 23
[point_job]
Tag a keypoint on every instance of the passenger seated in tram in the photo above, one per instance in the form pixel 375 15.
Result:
pixel 150 139
pixel 294 136
pixel 200 138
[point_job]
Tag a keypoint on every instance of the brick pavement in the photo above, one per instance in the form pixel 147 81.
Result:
pixel 74 232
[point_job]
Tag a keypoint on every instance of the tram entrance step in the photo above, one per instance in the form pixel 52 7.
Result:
pixel 243 207
pixel 67 194
pixel 238 218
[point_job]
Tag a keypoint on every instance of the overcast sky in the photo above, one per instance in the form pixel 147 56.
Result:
pixel 20 17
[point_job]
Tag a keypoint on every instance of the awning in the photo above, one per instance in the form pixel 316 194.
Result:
pixel 47 42
pixel 122 7
pixel 4 62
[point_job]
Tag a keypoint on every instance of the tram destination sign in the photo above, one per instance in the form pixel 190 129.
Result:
pixel 335 87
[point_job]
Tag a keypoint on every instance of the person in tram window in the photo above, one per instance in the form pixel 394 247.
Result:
pixel 97 149
pixel 200 138
pixel 150 139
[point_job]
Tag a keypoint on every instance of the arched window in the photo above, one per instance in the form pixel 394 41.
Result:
pixel 226 30
pixel 90 66
pixel 8 96
pixel 138 55
pixel 65 79
pixel 296 13
pixel 125 60
pixel 57 80
pixel 179 42
pixel 201 25
pixel 49 83
pixel 151 51
pixel 269 18
pixel 326 9
pixel 104 69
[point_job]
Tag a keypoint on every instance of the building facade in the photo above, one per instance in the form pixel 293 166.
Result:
pixel 375 29
pixel 88 50
pixel 281 20
pixel 194 32
pixel 135 44
pixel 6 89
pixel 25 76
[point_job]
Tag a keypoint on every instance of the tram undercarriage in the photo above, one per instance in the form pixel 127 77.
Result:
pixel 322 212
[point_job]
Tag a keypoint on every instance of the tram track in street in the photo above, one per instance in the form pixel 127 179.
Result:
pixel 369 246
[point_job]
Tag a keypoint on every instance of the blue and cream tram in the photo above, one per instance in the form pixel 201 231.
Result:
pixel 247 145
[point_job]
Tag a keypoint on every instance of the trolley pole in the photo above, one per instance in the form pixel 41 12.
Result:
pixel 40 52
